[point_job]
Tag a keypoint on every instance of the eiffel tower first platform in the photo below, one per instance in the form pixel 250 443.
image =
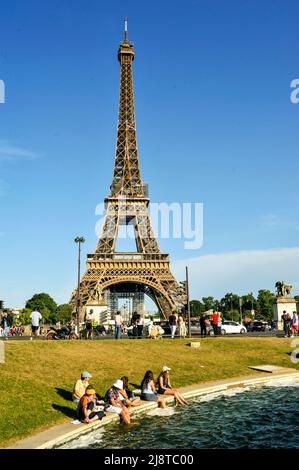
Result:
pixel 109 274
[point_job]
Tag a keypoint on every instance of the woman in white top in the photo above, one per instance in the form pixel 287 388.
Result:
pixel 148 390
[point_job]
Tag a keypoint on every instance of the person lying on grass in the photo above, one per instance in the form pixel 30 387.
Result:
pixel 127 395
pixel 148 390
pixel 114 404
pixel 87 410
pixel 164 387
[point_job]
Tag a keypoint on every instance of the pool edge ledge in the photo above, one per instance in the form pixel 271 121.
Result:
pixel 63 433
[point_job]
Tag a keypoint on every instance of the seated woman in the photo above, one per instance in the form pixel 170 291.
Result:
pixel 87 407
pixel 164 387
pixel 148 390
pixel 114 403
pixel 127 394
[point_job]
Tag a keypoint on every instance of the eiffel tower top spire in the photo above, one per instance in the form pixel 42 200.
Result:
pixel 126 30
pixel 126 176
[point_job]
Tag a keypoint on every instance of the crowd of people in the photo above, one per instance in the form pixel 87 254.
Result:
pixel 215 321
pixel 136 327
pixel 119 398
pixel 290 324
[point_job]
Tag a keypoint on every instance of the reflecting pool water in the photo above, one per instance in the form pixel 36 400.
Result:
pixel 265 417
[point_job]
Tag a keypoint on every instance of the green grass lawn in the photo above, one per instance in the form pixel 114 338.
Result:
pixel 37 377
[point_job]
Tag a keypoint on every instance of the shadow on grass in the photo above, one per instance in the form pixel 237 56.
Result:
pixel 66 394
pixel 71 413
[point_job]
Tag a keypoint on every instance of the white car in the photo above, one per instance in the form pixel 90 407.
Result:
pixel 232 327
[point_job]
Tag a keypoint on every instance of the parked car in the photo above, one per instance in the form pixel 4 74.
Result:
pixel 195 328
pixel 229 327
pixel 165 325
pixel 259 325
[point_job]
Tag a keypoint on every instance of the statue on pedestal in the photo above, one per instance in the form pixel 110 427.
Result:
pixel 284 302
pixel 282 289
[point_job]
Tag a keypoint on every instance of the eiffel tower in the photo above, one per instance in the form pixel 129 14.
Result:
pixel 110 274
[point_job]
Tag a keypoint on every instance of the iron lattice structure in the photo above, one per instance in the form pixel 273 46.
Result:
pixel 127 203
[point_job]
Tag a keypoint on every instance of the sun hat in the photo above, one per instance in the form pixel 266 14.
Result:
pixel 90 391
pixel 86 375
pixel 118 384
pixel 165 369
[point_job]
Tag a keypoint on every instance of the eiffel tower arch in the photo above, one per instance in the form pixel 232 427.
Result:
pixel 146 271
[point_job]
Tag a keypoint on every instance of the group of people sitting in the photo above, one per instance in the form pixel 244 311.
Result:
pixel 119 398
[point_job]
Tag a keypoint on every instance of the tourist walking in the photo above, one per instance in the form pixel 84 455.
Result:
pixel 172 323
pixel 148 390
pixel 284 322
pixel 219 326
pixel 134 324
pixel 165 388
pixel 182 326
pixel 35 321
pixel 88 324
pixel 295 323
pixel 215 318
pixel 80 386
pixel 203 326
pixel 118 319
pixel 288 322
pixel 114 403
pixel 5 325
pixel 139 326
pixel 73 330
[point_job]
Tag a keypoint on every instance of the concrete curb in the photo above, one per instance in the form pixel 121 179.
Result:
pixel 66 432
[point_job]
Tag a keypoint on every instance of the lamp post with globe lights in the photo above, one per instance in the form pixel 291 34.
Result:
pixel 79 240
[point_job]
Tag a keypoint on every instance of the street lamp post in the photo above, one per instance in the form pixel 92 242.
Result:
pixel 188 303
pixel 240 304
pixel 252 310
pixel 79 240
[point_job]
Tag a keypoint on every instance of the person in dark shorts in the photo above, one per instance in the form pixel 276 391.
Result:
pixel 129 397
pixel 87 410
pixel 35 317
pixel 203 326
pixel 164 387
pixel 148 390
pixel 88 324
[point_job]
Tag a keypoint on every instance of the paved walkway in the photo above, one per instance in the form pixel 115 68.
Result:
pixel 62 433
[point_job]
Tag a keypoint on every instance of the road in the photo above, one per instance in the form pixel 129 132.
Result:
pixel 194 335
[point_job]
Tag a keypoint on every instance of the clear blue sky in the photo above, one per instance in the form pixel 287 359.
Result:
pixel 214 120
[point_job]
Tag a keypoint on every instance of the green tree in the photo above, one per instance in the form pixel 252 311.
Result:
pixel 233 315
pixel 265 302
pixel 64 313
pixel 229 303
pixel 24 316
pixel 248 302
pixel 40 302
pixel 196 307
pixel 45 305
pixel 296 297
pixel 210 302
